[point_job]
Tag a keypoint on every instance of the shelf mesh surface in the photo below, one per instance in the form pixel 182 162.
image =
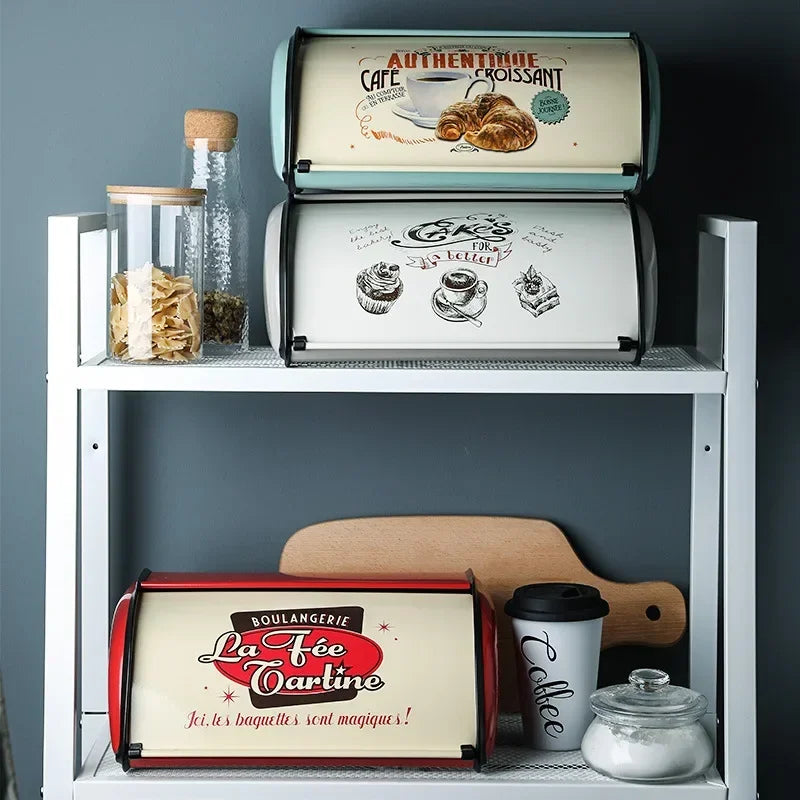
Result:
pixel 510 763
pixel 658 359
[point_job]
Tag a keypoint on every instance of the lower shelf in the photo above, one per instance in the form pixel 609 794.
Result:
pixel 519 773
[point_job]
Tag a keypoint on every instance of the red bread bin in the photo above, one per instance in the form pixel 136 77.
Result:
pixel 273 670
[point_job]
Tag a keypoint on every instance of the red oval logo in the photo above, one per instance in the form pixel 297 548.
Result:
pixel 298 660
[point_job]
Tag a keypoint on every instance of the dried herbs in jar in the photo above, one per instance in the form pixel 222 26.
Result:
pixel 223 317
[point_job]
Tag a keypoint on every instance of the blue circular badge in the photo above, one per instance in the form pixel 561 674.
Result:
pixel 550 106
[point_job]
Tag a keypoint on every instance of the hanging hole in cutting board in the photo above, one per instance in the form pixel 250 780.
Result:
pixel 653 613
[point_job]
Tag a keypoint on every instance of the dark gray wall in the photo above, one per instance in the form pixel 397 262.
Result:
pixel 93 92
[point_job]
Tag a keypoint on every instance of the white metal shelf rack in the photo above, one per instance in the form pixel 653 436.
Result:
pixel 719 373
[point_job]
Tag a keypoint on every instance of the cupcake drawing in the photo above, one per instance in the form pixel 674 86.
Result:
pixel 378 287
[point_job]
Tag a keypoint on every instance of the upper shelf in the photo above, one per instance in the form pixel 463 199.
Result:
pixel 664 370
pixel 725 334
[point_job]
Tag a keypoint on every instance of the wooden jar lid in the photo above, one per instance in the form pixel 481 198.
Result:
pixel 219 127
pixel 167 195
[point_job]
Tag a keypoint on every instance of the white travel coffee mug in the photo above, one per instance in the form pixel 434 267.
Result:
pixel 557 630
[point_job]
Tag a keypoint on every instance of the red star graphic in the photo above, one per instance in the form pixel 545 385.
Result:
pixel 229 696
pixel 384 626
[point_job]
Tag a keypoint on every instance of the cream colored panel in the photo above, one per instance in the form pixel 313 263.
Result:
pixel 359 99
pixel 579 258
pixel 418 701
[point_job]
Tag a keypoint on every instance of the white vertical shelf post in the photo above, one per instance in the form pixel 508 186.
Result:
pixel 704 562
pixel 739 510
pixel 77 502
pixel 706 476
pixel 94 495
pixel 738 505
pixel 94 554
pixel 60 651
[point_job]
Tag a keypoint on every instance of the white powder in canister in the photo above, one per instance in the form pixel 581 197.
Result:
pixel 647 754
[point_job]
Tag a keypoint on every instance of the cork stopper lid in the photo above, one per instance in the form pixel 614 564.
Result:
pixel 219 127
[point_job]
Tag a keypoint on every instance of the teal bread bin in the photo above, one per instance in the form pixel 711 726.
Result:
pixel 463 110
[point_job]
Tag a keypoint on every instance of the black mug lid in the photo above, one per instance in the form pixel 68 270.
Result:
pixel 557 602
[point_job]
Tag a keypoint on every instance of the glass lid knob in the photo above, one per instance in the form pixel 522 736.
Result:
pixel 648 680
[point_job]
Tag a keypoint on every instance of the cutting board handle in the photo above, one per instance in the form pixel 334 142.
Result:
pixel 652 613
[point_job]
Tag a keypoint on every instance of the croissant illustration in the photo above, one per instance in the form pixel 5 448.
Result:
pixel 491 122
pixel 457 118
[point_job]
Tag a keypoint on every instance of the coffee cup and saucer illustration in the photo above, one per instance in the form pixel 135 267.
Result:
pixel 431 91
pixel 460 297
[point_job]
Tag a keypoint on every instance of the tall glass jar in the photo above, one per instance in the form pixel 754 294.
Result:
pixel 155 273
pixel 211 162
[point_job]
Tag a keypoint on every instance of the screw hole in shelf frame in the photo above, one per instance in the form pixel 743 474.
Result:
pixel 707 448
pixel 95 446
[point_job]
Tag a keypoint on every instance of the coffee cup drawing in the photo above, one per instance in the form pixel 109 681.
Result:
pixel 460 297
pixel 459 286
pixel 432 91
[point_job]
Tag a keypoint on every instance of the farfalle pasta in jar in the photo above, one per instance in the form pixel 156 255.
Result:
pixel 155 273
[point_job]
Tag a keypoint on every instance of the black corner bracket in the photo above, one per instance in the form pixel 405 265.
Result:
pixel 468 752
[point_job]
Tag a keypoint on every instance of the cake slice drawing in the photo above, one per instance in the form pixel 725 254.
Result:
pixel 537 293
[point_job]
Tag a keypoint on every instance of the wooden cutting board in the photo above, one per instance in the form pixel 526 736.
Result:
pixel 503 552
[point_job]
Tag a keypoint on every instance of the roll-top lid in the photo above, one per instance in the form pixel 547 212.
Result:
pixel 384 109
pixel 557 602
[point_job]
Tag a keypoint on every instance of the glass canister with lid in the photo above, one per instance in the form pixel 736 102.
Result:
pixel 211 162
pixel 155 273
pixel 648 731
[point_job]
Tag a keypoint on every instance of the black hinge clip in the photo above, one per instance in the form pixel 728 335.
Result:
pixel 629 170
pixel 626 344
pixel 299 343
pixel 135 750
pixel 304 165
pixel 468 752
